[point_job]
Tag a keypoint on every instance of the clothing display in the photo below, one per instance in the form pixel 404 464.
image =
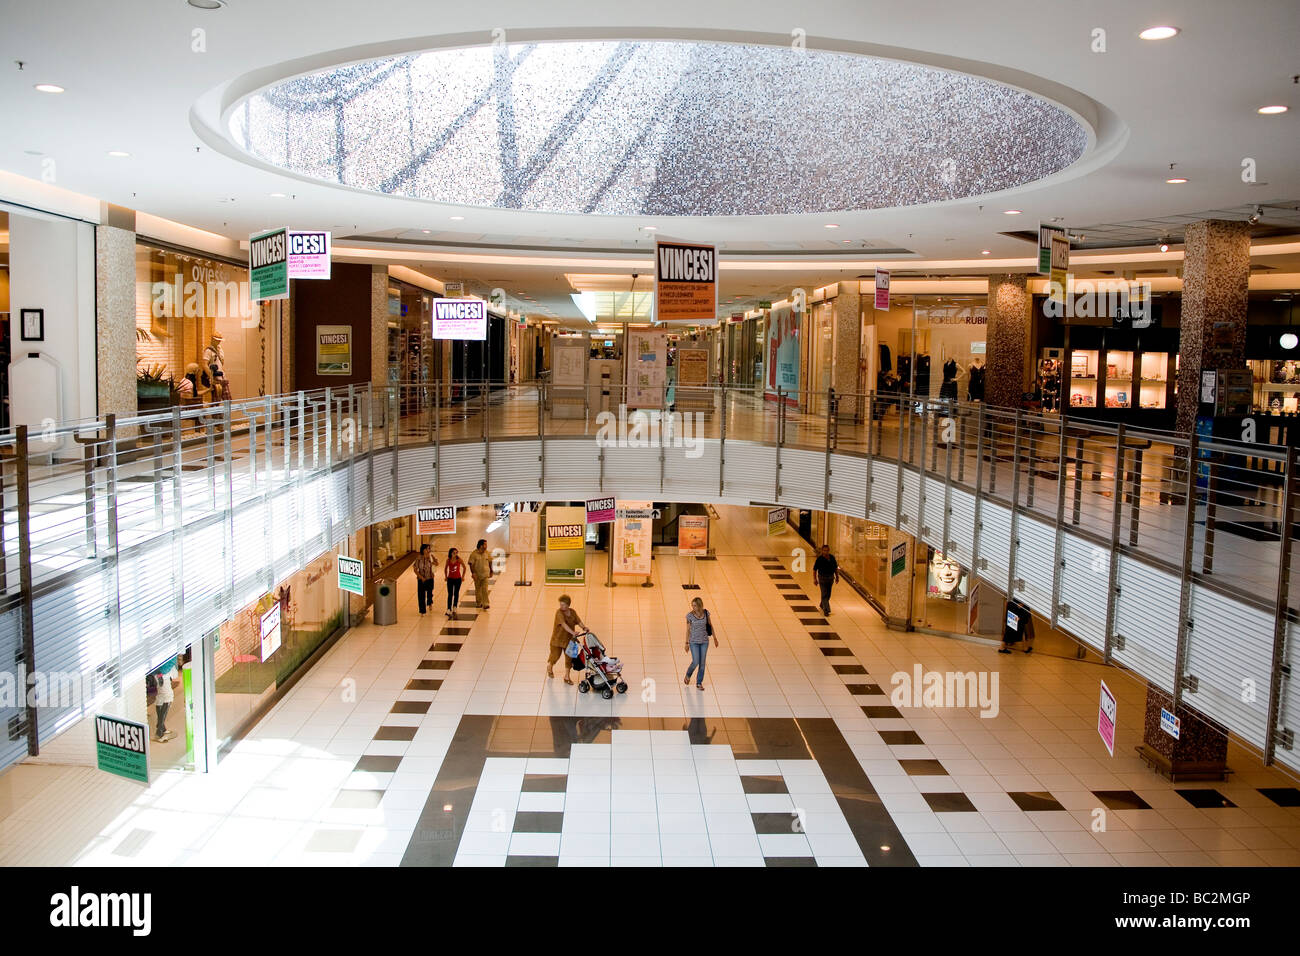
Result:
pixel 904 372
pixel 922 375
pixel 948 389
pixel 885 364
pixel 975 388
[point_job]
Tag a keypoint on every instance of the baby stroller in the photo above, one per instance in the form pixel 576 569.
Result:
pixel 602 672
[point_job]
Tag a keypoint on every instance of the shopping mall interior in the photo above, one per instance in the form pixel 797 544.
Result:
pixel 692 435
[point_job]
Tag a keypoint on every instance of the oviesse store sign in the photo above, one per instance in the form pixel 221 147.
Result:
pixel 686 282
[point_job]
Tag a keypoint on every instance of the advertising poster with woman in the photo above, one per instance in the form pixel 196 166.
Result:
pixel 783 352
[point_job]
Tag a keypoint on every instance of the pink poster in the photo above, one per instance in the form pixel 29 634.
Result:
pixel 1106 718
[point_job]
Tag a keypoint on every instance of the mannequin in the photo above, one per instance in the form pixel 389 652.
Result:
pixel 948 389
pixel 975 388
pixel 215 359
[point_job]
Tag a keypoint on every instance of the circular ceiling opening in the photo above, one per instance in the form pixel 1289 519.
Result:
pixel 656 128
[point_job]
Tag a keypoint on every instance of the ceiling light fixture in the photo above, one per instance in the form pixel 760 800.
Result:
pixel 277 195
pixel 1265 110
pixel 1164 244
pixel 206 4
pixel 832 225
pixel 1011 212
pixel 425 231
pixel 1288 340
pixel 650 228
pixel 1177 180
pixel 118 154
pixel 457 218
pixel 1256 216
pixel 48 88
pixel 1158 33
pixel 984 252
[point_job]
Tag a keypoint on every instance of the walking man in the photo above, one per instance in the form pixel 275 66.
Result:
pixel 826 571
pixel 424 577
pixel 480 565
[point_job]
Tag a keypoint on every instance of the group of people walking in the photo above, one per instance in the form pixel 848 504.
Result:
pixel 479 566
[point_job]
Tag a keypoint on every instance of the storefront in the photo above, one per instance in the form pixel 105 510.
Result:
pixel 199 338
pixel 390 541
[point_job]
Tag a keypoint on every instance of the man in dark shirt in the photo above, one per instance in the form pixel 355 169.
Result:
pixel 826 571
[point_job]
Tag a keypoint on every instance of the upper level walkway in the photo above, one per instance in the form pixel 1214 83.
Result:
pixel 124 539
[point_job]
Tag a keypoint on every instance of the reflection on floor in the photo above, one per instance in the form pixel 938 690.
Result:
pixel 442 742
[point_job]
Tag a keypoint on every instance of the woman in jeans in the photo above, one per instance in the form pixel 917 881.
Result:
pixel 698 625
pixel 454 572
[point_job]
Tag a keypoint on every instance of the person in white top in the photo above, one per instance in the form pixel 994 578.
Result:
pixel 166 681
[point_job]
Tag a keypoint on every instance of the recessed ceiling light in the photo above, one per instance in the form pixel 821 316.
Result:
pixel 832 225
pixel 1158 33
pixel 118 154
pixel 425 231
pixel 48 88
pixel 984 252
pixel 650 228
pixel 1271 110
pixel 1175 181
pixel 277 195
pixel 457 218
pixel 1011 212
pixel 207 4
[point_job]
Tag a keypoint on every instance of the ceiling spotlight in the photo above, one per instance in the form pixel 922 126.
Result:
pixel 1164 244
pixel 206 4
pixel 1256 215
pixel 650 228
pixel 48 88
pixel 1158 33
pixel 118 154
pixel 1288 340
pixel 457 218
pixel 1175 181
pixel 277 195
pixel 425 231
pixel 1011 212
pixel 984 252
pixel 1265 110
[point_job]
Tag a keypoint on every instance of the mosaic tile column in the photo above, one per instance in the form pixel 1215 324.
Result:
pixel 848 348
pixel 898 592
pixel 379 324
pixel 1008 339
pixel 115 346
pixel 1201 750
pixel 1216 271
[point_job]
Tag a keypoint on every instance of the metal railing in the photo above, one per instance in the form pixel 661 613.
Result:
pixel 80 499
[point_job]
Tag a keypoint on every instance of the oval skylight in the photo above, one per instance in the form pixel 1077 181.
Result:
pixel 656 128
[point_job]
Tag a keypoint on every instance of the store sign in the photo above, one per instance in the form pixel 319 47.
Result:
pixel 633 538
pixel 1045 234
pixel 268 265
pixel 775 521
pixel 600 510
pixel 122 747
pixel 352 575
pixel 459 319
pixel 978 348
pixel 1060 263
pixel 1170 724
pixel 738 317
pixel 309 255
pixel 437 520
pixel 453 290
pixel 1106 712
pixel 882 290
pixel 765 303
pixel 270 630
pixel 898 560
pixel 686 282
pixel 693 536
pixel 523 532
pixel 333 350
pixel 566 555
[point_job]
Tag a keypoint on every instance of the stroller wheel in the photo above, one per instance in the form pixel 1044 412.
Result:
pixel 608 693
pixel 583 686
pixel 622 687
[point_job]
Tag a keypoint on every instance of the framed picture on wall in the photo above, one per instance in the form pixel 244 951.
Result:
pixel 32 328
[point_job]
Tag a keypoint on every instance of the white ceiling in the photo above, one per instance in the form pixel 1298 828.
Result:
pixel 134 82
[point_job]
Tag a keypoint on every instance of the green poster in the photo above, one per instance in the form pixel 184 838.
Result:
pixel 351 574
pixel 566 548
pixel 187 684
pixel 268 265
pixel 899 563
pixel 121 747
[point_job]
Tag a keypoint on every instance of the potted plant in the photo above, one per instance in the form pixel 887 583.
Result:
pixel 154 388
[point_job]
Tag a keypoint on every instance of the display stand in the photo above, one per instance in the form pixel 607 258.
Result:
pixel 523 581
pixel 691 585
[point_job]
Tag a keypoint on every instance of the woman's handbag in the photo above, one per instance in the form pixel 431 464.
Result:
pixel 708 624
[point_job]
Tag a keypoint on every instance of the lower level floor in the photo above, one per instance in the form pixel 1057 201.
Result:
pixel 441 740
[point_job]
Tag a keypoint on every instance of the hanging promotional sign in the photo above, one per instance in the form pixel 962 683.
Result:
pixel 459 319
pixel 783 352
pixel 633 537
pixel 945 579
pixel 333 350
pixel 566 556
pixel 693 536
pixel 738 317
pixel 352 575
pixel 121 747
pixel 1045 234
pixel 1106 718
pixel 882 290
pixel 1060 267
pixel 270 630
pixel 453 290
pixel 440 519
pixel 775 521
pixel 686 282
pixel 898 560
pixel 268 265
pixel 523 532
pixel 600 510
pixel 309 255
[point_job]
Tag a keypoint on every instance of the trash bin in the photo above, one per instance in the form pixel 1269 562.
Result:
pixel 386 602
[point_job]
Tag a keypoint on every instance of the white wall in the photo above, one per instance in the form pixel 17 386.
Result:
pixel 52 267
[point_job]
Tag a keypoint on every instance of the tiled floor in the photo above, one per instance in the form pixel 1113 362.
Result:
pixel 435 742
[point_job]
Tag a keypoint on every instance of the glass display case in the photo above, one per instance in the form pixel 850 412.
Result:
pixel 389 541
pixel 1119 379
pixel 1083 378
pixel 1276 385
pixel 1153 384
